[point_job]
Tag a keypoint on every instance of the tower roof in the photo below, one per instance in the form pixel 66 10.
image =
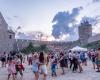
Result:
pixel 2 20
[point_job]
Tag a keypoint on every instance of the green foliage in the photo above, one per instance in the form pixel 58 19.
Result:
pixel 30 48
pixel 42 47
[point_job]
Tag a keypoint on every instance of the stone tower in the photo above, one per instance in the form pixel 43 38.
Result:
pixel 85 32
pixel 7 37
pixel 3 34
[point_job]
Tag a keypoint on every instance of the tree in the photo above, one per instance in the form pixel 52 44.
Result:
pixel 43 47
pixel 30 48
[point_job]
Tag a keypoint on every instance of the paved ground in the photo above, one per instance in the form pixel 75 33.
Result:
pixel 88 74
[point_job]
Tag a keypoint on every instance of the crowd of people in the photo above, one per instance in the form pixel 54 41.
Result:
pixel 13 62
pixel 41 62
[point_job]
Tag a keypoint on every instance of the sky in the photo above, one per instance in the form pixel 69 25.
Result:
pixel 37 15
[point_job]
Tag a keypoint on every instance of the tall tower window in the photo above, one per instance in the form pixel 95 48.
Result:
pixel 10 36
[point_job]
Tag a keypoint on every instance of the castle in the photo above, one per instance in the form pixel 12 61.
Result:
pixel 9 43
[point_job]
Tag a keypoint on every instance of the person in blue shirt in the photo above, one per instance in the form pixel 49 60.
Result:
pixel 53 67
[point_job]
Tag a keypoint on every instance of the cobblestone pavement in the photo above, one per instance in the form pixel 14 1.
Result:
pixel 88 74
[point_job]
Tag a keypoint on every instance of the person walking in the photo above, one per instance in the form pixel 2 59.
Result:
pixel 35 66
pixel 53 66
pixel 93 58
pixel 79 62
pixel 30 60
pixel 43 63
pixel 19 67
pixel 98 59
pixel 62 63
pixel 75 62
pixel 3 60
pixel 70 58
pixel 11 69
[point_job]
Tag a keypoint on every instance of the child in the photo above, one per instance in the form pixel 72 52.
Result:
pixel 53 67
pixel 11 69
pixel 19 68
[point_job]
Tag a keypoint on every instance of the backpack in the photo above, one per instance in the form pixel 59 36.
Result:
pixel 82 56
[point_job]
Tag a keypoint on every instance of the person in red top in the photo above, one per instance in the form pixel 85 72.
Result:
pixel 19 67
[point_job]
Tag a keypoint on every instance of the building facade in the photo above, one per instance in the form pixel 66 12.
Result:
pixel 7 37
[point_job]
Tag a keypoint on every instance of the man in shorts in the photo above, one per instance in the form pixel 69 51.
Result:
pixel 98 59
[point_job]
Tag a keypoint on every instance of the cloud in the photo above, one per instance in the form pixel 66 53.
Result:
pixel 62 21
pixel 31 35
pixel 15 16
pixel 96 0
pixel 65 24
pixel 96 29
pixel 21 35
pixel 92 20
pixel 8 18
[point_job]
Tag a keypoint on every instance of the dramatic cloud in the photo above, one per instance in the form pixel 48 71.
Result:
pixel 64 22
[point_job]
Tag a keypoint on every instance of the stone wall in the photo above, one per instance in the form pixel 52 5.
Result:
pixel 6 44
pixel 3 35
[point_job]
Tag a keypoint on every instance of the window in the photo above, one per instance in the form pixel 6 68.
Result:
pixel 10 36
